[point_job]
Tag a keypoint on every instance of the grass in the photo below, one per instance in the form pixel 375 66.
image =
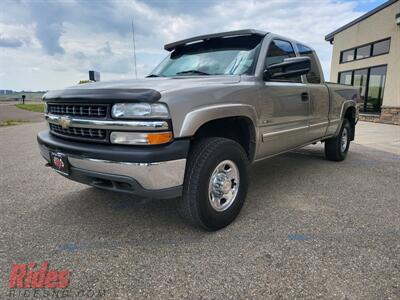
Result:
pixel 11 122
pixel 31 107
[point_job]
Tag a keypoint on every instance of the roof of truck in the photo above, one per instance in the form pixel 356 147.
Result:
pixel 174 45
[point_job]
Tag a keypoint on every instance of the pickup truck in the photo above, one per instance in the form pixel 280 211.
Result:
pixel 190 129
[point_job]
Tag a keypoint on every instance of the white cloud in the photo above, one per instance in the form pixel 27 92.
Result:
pixel 61 41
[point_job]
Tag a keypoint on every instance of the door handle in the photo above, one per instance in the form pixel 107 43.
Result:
pixel 305 96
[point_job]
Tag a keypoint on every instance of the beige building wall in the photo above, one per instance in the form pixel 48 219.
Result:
pixel 376 27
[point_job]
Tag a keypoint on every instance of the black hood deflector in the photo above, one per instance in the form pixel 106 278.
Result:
pixel 102 95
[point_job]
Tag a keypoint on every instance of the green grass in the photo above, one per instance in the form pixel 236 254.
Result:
pixel 31 107
pixel 11 122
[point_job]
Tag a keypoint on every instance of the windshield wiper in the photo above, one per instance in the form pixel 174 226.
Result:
pixel 192 72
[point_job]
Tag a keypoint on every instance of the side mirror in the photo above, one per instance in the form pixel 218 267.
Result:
pixel 290 67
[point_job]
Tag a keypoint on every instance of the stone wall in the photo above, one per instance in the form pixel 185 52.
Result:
pixel 389 115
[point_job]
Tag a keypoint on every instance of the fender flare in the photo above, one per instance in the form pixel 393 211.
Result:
pixel 345 105
pixel 197 117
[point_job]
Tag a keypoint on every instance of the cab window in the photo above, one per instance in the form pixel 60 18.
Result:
pixel 279 50
pixel 314 75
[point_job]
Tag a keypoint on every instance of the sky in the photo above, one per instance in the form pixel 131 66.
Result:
pixel 52 44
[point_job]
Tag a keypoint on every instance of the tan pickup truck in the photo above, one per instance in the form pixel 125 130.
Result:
pixel 214 105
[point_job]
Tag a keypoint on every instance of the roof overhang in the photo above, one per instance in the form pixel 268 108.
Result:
pixel 330 37
pixel 174 45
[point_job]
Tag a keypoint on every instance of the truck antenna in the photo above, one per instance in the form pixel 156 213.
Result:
pixel 134 46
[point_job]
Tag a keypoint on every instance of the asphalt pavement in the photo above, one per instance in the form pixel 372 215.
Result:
pixel 8 111
pixel 310 228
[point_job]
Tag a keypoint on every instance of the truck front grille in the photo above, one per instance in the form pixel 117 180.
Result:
pixel 79 110
pixel 75 132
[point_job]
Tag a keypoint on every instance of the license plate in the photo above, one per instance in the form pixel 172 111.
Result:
pixel 59 162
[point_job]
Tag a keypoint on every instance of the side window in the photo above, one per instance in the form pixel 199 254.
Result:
pixel 279 50
pixel 314 75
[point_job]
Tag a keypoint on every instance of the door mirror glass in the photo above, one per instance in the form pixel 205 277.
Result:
pixel 289 68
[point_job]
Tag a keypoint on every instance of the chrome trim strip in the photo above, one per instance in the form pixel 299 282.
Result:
pixel 319 124
pixel 270 134
pixel 107 124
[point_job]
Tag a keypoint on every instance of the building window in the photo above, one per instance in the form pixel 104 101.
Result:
pixel 347 55
pixel 381 47
pixel 360 81
pixel 346 77
pixel 376 85
pixel 370 83
pixel 365 51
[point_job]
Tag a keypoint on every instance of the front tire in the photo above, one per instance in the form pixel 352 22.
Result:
pixel 215 185
pixel 336 148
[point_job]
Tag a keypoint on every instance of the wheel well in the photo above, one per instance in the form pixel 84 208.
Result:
pixel 350 115
pixel 239 129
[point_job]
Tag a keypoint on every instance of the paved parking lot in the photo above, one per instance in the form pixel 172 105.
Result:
pixel 310 229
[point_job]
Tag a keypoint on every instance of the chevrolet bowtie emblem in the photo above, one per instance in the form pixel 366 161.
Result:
pixel 65 122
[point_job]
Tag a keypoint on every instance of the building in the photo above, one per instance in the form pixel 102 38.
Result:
pixel 366 54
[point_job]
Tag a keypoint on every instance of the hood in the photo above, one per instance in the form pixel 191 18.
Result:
pixel 146 90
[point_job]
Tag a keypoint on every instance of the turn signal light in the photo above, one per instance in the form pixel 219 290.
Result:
pixel 159 138
pixel 141 138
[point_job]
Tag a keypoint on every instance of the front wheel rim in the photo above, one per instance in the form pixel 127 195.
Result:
pixel 223 186
pixel 344 140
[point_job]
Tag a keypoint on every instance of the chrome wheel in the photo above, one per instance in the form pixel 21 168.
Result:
pixel 344 140
pixel 224 185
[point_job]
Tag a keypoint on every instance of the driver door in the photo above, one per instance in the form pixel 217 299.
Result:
pixel 284 103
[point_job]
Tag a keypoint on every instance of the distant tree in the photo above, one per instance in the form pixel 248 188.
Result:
pixel 23 99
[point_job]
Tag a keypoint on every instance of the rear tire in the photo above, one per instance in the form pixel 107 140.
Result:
pixel 336 148
pixel 215 185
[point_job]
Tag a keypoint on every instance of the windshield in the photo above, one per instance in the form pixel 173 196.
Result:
pixel 218 56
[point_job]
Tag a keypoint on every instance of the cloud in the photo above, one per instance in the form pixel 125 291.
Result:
pixel 10 42
pixel 67 38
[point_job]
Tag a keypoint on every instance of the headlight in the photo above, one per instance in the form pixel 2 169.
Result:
pixel 139 110
pixel 140 138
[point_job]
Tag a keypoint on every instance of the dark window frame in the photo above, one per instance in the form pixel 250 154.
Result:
pixel 363 45
pixel 367 85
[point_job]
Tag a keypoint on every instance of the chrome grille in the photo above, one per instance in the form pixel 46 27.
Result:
pixel 80 110
pixel 75 132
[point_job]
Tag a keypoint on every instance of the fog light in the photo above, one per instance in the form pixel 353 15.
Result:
pixel 140 138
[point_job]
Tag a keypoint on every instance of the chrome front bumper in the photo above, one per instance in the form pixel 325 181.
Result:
pixel 151 176
pixel 158 179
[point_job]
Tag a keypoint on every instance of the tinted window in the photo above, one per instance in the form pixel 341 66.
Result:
pixel 345 77
pixel 381 47
pixel 313 76
pixel 363 52
pixel 360 81
pixel 376 85
pixel 347 55
pixel 278 51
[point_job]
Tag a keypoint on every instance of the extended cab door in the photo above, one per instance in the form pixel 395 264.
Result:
pixel 284 106
pixel 319 96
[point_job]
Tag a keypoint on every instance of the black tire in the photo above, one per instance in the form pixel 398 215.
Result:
pixel 333 146
pixel 195 205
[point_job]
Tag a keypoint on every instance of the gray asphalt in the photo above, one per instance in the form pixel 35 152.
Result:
pixel 310 229
pixel 8 111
